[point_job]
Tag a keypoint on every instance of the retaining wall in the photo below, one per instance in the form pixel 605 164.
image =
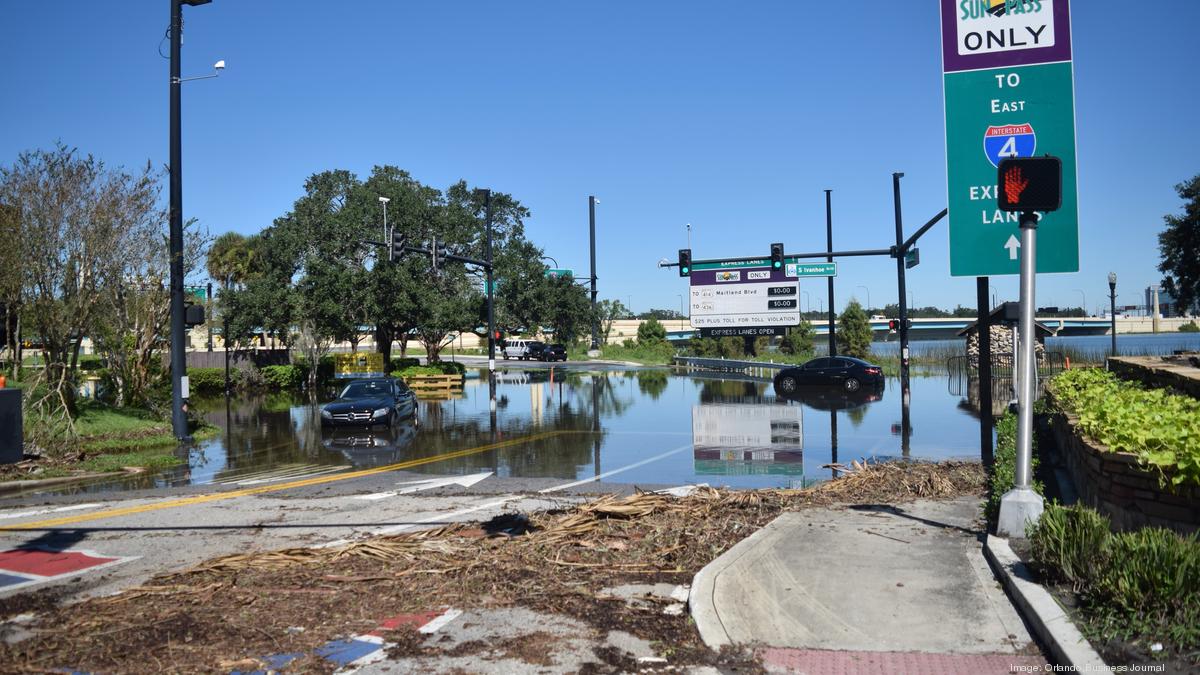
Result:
pixel 1114 484
pixel 1158 371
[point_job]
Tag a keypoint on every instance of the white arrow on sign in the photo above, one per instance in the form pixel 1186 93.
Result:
pixel 418 485
pixel 1012 245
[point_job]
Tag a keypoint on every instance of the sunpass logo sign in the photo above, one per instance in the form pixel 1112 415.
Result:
pixel 991 26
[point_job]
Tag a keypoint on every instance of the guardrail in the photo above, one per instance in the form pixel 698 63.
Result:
pixel 764 369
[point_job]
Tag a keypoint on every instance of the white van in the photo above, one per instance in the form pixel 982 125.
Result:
pixel 516 349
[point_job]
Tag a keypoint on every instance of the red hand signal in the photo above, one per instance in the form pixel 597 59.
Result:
pixel 1014 185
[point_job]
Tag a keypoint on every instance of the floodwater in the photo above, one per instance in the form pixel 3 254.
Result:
pixel 648 426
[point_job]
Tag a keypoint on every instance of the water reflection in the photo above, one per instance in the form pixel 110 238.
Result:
pixel 645 426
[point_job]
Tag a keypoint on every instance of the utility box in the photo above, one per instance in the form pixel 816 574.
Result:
pixel 12 448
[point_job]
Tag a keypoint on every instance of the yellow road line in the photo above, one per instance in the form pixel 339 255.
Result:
pixel 216 496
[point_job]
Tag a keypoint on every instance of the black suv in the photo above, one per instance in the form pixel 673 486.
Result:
pixel 553 353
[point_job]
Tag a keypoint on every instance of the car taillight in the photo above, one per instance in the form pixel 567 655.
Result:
pixel 873 371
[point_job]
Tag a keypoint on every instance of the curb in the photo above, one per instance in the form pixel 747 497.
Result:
pixel 1049 622
pixel 704 585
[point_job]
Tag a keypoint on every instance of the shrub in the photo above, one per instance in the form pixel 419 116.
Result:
pixel 1070 544
pixel 1004 467
pixel 280 378
pixel 437 368
pixel 210 380
pixel 854 332
pixel 1141 584
pixel 1161 428
pixel 798 340
pixel 1189 327
pixel 401 364
pixel 651 332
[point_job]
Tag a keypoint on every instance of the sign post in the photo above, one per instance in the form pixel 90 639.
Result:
pixel 1009 89
pixel 1026 186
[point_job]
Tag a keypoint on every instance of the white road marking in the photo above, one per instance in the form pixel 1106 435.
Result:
pixel 429 484
pixel 616 471
pixel 25 514
pixel 439 622
pixel 293 476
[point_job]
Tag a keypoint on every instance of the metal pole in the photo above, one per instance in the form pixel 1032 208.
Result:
pixel 209 317
pixel 829 258
pixel 1028 345
pixel 225 344
pixel 900 284
pixel 983 325
pixel 178 358
pixel 491 309
pixel 1021 506
pixel 1112 313
pixel 592 236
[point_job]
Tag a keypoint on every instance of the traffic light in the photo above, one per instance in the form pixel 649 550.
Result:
pixel 1030 184
pixel 685 262
pixel 893 325
pixel 397 249
pixel 776 256
pixel 193 315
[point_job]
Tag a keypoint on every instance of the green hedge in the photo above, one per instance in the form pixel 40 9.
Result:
pixel 281 378
pixel 1161 428
pixel 1004 468
pixel 1133 585
pixel 436 368
pixel 210 380
pixel 401 364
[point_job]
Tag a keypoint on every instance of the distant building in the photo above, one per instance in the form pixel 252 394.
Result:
pixel 1166 304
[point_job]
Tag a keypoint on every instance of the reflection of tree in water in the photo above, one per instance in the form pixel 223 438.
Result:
pixel 731 391
pixel 267 430
pixel 652 383
pixel 857 415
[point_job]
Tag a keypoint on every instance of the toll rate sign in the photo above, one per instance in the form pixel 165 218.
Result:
pixel 744 297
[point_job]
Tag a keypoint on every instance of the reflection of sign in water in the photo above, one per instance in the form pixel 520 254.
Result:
pixel 358 364
pixel 748 439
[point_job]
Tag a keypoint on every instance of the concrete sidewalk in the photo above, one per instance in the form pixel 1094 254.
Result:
pixel 875 588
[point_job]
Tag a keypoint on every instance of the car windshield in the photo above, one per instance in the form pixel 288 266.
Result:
pixel 364 390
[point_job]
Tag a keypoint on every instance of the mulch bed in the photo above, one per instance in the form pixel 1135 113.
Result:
pixel 216 616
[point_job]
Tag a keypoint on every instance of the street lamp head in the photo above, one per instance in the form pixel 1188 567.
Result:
pixel 219 65
pixel 1112 278
pixel 663 262
pixel 384 200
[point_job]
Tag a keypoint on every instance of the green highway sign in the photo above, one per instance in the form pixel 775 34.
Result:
pixel 196 293
pixel 1009 89
pixel 554 274
pixel 792 266
pixel 912 258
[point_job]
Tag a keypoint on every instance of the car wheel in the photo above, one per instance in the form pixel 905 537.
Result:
pixel 787 385
pixel 851 384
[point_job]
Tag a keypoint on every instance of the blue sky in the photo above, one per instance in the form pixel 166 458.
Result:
pixel 730 116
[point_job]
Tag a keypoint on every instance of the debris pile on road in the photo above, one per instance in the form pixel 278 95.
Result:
pixel 250 605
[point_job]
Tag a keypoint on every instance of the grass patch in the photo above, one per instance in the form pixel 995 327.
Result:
pixel 149 459
pixel 652 354
pixel 1004 468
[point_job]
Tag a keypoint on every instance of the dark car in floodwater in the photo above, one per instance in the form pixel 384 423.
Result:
pixel 378 401
pixel 842 372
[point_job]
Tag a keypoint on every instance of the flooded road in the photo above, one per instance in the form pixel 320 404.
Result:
pixel 642 426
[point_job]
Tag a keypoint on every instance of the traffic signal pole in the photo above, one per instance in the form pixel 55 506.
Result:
pixel 900 250
pixel 829 258
pixel 592 237
pixel 179 426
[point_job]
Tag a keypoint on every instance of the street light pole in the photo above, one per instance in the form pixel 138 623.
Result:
pixel 868 295
pixel 487 202
pixel 1084 297
pixel 179 425
pixel 1112 312
pixel 900 284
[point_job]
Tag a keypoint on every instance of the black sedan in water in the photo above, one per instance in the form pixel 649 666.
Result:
pixel 381 401
pixel 844 372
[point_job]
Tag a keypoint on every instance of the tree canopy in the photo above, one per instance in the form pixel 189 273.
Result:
pixel 1178 244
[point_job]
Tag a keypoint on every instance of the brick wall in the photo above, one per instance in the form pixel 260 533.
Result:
pixel 1114 484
